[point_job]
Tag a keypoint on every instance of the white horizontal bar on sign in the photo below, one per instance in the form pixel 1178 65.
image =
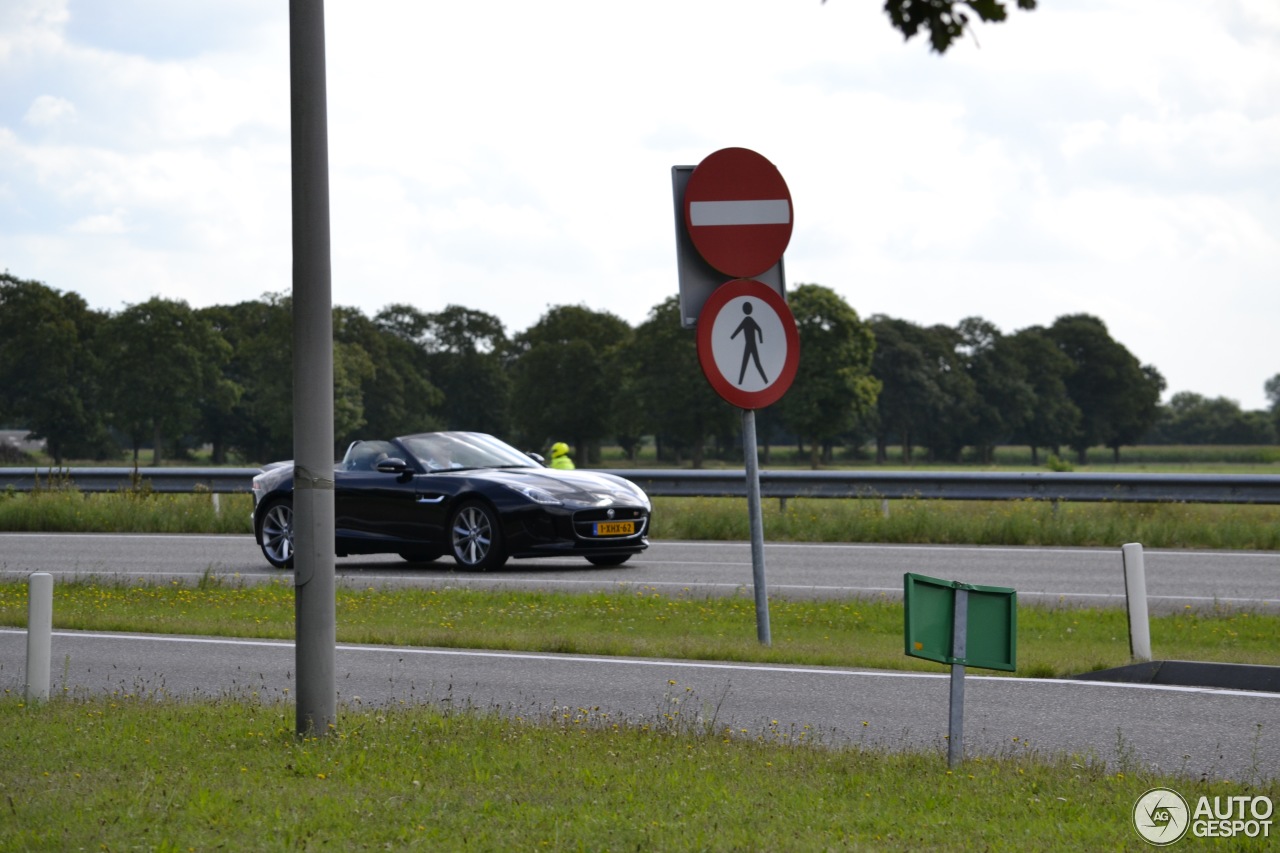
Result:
pixel 775 211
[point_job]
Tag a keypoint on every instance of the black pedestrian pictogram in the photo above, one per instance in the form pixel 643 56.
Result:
pixel 753 335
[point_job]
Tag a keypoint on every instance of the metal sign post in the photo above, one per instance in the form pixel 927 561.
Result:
pixel 749 455
pixel 955 716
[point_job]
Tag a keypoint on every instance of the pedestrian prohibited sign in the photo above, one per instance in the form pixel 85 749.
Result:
pixel 747 344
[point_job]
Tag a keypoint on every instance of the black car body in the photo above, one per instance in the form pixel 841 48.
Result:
pixel 463 494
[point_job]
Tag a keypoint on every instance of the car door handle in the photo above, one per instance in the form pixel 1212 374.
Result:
pixel 423 499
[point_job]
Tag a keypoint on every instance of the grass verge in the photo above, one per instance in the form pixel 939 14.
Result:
pixel 127 772
pixel 1042 523
pixel 640 622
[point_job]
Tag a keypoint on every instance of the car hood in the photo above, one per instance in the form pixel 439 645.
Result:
pixel 579 487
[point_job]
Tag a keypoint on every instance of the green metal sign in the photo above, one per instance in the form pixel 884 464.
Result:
pixel 991 638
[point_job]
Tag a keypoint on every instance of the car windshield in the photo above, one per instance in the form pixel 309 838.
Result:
pixel 445 451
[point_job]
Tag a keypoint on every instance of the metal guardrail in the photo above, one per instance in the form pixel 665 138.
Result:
pixel 660 482
pixel 967 486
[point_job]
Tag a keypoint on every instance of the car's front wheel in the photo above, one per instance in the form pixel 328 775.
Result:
pixel 475 537
pixel 277 534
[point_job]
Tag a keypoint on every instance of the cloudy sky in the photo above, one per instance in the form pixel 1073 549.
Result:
pixel 1114 157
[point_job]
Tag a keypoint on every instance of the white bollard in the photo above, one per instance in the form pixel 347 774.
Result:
pixel 39 635
pixel 1135 590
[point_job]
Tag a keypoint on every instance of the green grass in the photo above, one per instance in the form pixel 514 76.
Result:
pixel 128 772
pixel 1165 525
pixel 640 622
pixel 65 510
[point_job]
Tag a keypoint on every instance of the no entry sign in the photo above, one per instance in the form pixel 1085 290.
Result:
pixel 737 209
pixel 748 344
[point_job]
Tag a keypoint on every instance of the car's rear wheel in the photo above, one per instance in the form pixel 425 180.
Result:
pixel 277 534
pixel 475 537
pixel 611 560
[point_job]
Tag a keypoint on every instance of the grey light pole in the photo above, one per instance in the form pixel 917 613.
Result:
pixel 313 515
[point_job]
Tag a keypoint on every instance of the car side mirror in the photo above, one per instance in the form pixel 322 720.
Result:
pixel 536 457
pixel 392 466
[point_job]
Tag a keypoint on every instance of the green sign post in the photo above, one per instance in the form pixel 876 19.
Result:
pixel 937 616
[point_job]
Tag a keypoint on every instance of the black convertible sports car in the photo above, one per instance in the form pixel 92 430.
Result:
pixel 465 494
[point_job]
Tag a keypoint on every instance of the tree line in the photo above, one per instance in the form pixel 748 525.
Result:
pixel 168 377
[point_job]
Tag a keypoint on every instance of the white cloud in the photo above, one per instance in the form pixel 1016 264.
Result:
pixel 112 223
pixel 1097 156
pixel 48 109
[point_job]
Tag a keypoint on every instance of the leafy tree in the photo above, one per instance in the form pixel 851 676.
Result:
pixel 1005 398
pixel 1191 418
pixel 668 395
pixel 1054 417
pixel 833 389
pixel 941 19
pixel 564 373
pixel 948 427
pixel 463 352
pixel 260 424
pixel 163 362
pixel 1272 388
pixel 381 382
pixel 48 371
pixel 928 396
pixel 908 392
pixel 1117 396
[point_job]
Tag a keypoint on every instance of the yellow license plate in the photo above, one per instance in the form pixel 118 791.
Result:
pixel 615 528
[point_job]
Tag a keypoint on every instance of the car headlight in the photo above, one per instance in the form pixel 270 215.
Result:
pixel 535 494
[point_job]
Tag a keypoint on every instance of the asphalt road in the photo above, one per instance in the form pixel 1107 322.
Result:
pixel 1077 576
pixel 1218 733
pixel 1215 733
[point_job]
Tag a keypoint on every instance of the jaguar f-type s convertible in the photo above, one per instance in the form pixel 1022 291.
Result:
pixel 462 494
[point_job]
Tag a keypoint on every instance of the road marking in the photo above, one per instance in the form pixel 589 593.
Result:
pixel 642 662
pixel 997 549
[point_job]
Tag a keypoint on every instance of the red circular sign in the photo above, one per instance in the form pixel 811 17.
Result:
pixel 737 209
pixel 748 345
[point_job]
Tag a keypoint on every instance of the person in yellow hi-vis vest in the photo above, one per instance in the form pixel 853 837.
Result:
pixel 560 457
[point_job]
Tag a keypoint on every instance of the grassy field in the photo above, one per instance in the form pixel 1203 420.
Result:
pixel 128 772
pixel 640 622
pixel 1168 525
